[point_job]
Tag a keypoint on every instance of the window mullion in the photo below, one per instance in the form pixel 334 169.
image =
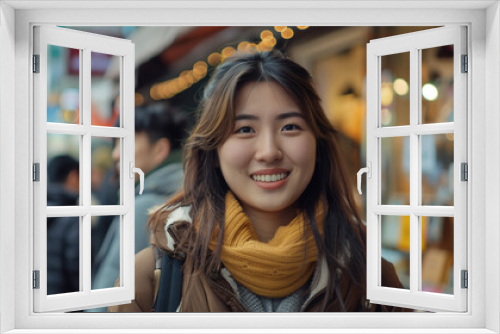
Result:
pixel 434 129
pixel 85 167
pixel 372 184
pixel 66 211
pixel 127 231
pixel 414 170
pixel 108 210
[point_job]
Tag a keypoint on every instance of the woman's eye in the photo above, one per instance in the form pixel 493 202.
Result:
pixel 245 129
pixel 290 127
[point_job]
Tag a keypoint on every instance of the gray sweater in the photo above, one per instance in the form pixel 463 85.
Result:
pixel 159 185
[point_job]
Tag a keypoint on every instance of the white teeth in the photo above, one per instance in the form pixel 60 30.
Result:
pixel 269 178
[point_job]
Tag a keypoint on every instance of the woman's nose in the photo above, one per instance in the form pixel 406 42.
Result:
pixel 268 149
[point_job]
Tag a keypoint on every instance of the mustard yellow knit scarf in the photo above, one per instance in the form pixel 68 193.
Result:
pixel 274 269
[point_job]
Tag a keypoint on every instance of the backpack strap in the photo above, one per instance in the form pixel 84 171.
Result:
pixel 158 253
pixel 168 273
pixel 170 289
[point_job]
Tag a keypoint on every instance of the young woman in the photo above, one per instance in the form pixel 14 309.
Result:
pixel 266 220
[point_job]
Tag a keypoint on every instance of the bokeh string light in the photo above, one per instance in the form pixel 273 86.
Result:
pixel 167 89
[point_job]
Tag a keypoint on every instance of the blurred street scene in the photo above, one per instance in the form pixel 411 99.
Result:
pixel 172 67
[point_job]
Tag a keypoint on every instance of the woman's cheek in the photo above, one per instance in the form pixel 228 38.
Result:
pixel 303 150
pixel 235 153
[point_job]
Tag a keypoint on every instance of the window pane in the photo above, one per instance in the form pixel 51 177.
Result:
pixel 437 169
pixel 395 88
pixel 107 260
pixel 63 84
pixel 395 170
pixel 437 84
pixel 63 156
pixel 105 89
pixel 105 177
pixel 63 255
pixel 395 248
pixel 437 254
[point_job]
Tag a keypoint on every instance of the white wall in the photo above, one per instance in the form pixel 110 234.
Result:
pixel 482 106
pixel 7 159
pixel 492 150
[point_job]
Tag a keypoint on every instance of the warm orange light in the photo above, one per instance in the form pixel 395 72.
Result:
pixel 139 99
pixel 187 78
pixel 190 78
pixel 182 83
pixel 177 85
pixel 242 47
pixel 302 27
pixel 280 29
pixel 214 59
pixel 154 92
pixel 253 48
pixel 200 69
pixel 266 34
pixel 287 33
pixel 198 75
pixel 228 51
pixel 168 86
pixel 266 45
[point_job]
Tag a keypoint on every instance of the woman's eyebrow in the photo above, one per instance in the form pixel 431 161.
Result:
pixel 246 116
pixel 279 117
pixel 289 115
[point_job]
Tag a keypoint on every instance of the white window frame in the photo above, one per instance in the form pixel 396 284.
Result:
pixel 483 21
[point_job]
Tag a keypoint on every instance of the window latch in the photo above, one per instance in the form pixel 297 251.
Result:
pixel 134 170
pixel 368 171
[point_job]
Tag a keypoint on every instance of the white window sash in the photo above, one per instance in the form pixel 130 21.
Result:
pixel 85 42
pixel 414 298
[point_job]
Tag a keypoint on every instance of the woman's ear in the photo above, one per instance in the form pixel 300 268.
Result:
pixel 162 149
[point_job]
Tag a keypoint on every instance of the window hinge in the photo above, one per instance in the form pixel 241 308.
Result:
pixel 36 63
pixel 36 279
pixel 464 171
pixel 465 279
pixel 36 172
pixel 465 64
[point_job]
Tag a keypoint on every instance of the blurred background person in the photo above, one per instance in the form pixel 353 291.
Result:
pixel 63 248
pixel 106 194
pixel 159 132
pixel 105 181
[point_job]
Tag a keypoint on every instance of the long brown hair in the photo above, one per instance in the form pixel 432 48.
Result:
pixel 341 242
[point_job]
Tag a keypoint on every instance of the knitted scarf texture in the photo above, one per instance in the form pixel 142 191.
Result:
pixel 274 269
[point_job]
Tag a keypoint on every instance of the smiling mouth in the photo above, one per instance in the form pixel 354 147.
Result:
pixel 270 178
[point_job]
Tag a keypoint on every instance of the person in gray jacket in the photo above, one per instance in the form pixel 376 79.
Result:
pixel 159 132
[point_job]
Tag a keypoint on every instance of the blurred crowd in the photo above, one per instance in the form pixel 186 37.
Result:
pixel 159 133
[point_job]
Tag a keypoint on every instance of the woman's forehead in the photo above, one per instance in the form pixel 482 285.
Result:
pixel 261 96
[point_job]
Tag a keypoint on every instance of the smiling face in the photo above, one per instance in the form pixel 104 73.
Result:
pixel 269 158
